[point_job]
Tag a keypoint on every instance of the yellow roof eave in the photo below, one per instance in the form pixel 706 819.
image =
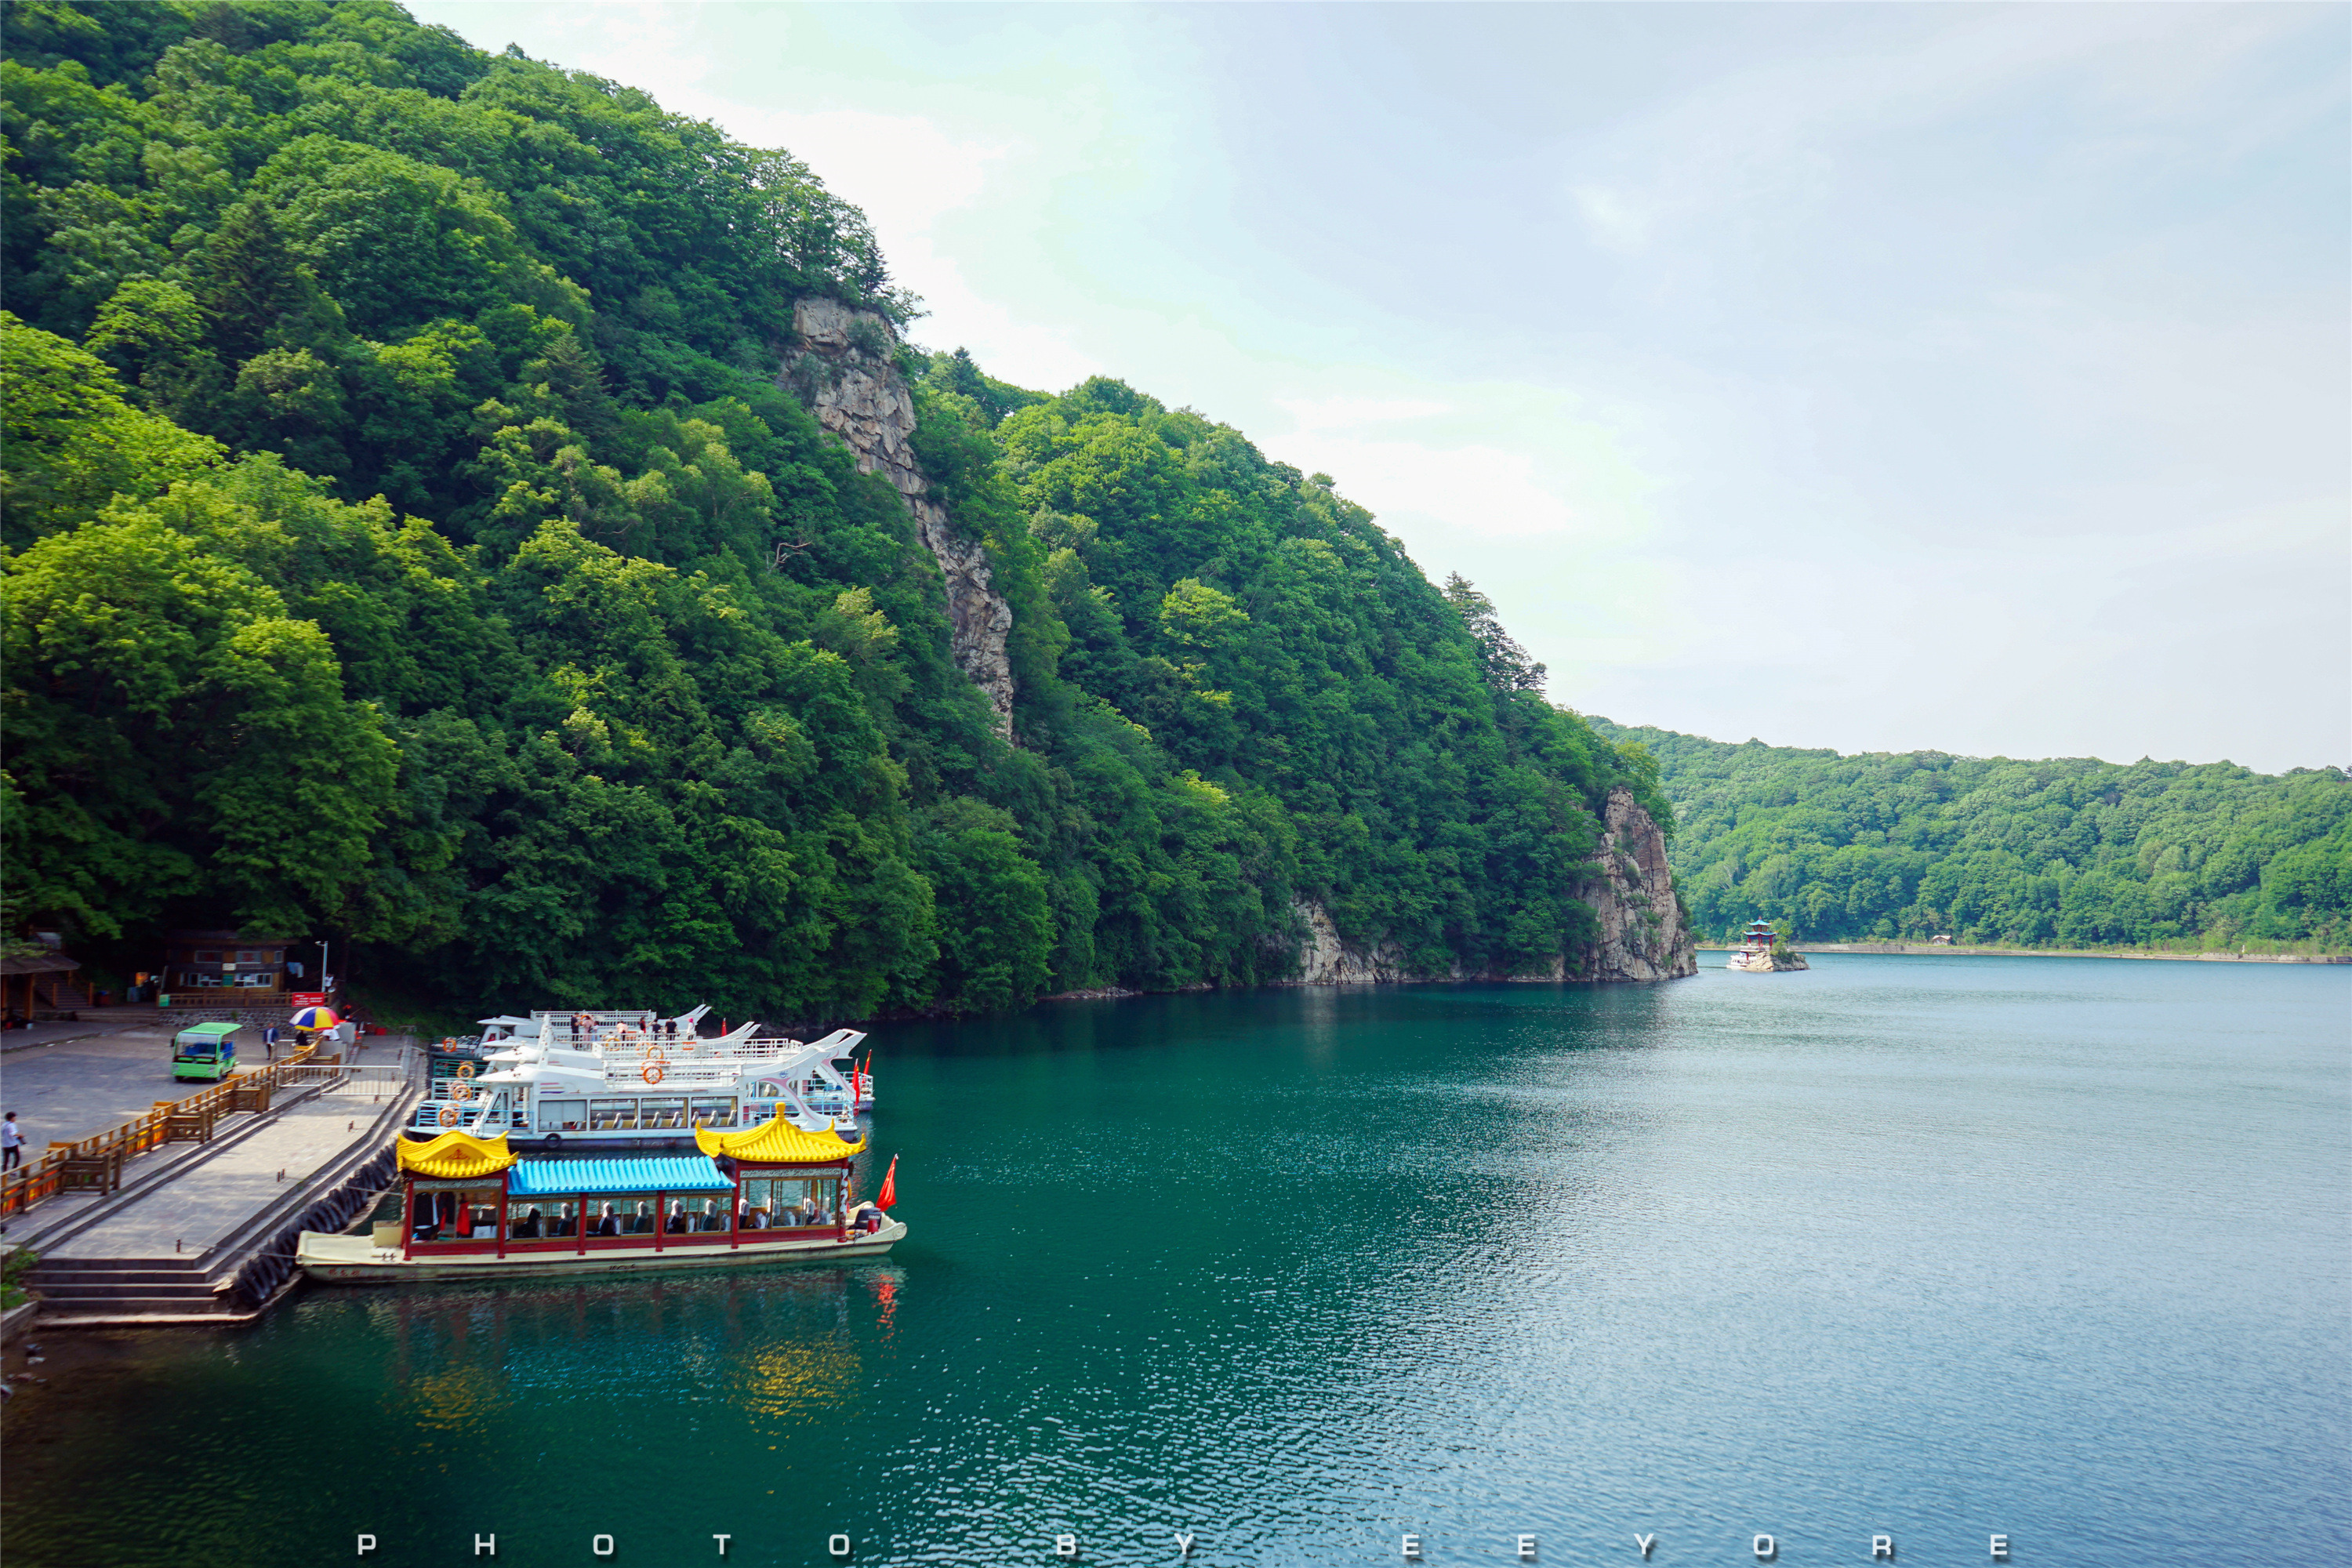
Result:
pixel 455 1154
pixel 777 1141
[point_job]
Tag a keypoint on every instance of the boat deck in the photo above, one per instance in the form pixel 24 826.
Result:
pixel 356 1259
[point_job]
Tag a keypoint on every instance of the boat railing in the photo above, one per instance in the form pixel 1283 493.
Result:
pixel 716 1047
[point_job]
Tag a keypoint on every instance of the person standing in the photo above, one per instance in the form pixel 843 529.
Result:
pixel 269 1041
pixel 12 1143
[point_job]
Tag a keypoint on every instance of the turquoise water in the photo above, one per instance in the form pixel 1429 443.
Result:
pixel 1931 1248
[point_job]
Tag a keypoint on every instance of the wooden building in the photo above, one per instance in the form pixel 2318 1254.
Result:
pixel 39 982
pixel 216 968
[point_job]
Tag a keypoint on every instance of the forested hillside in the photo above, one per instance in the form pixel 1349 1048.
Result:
pixel 2068 852
pixel 409 537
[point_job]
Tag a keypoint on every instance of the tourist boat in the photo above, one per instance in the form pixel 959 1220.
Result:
pixel 471 1208
pixel 626 1082
pixel 630 1031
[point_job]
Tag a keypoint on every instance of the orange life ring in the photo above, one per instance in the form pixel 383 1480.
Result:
pixel 465 1091
pixel 465 1069
pixel 651 1072
pixel 448 1115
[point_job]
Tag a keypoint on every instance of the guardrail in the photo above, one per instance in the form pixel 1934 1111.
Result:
pixel 94 1165
pixel 338 1078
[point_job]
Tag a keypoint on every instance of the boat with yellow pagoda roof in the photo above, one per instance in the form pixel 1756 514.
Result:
pixel 472 1208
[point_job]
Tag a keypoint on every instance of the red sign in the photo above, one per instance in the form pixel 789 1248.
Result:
pixel 306 998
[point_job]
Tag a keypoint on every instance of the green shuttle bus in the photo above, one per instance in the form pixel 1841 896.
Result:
pixel 204 1051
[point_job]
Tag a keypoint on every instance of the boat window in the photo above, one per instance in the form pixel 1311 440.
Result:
pixel 536 1219
pixel 657 1113
pixel 456 1213
pixel 612 1115
pixel 714 1112
pixel 621 1213
pixel 772 1203
pixel 562 1116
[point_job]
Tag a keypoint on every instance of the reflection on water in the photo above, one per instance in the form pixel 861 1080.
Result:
pixel 776 1345
pixel 1941 1247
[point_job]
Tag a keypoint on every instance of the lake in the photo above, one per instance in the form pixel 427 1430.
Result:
pixel 1930 1248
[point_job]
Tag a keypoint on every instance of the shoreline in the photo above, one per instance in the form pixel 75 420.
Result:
pixel 1914 948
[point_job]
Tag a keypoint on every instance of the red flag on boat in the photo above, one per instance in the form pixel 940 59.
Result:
pixel 889 1193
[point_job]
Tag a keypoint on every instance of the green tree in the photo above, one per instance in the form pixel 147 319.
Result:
pixel 173 728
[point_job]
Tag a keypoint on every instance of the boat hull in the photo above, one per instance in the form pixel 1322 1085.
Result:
pixel 357 1260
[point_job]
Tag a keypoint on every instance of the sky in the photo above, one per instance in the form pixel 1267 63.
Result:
pixel 1969 378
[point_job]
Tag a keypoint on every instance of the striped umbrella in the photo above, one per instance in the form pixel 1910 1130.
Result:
pixel 315 1018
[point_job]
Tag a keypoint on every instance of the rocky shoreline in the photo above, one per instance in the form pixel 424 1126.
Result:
pixel 1921 947
pixel 1640 935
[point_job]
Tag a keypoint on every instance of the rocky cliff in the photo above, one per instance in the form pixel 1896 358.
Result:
pixel 1642 935
pixel 843 366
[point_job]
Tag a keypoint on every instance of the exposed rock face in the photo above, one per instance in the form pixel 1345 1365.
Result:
pixel 844 370
pixel 1642 935
pixel 1329 959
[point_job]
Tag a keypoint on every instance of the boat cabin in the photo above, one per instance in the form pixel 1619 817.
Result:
pixel 467 1195
pixel 635 1094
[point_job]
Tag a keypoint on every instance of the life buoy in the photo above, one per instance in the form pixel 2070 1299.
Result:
pixel 465 1091
pixel 465 1069
pixel 651 1072
pixel 448 1115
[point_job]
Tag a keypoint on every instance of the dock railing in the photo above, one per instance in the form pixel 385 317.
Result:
pixel 94 1165
pixel 377 1079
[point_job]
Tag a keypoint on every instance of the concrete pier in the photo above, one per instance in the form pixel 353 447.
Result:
pixel 203 1233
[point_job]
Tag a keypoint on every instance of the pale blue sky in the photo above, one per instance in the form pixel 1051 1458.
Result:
pixel 1871 376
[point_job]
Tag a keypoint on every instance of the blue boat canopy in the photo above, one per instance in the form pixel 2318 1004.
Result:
pixel 667 1173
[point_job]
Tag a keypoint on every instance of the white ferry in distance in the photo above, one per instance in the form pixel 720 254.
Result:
pixel 632 1079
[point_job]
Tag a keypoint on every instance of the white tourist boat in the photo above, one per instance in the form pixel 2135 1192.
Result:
pixel 633 1080
pixel 473 1208
pixel 633 1031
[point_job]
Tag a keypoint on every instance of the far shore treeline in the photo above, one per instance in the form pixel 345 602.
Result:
pixel 2068 852
pixel 407 541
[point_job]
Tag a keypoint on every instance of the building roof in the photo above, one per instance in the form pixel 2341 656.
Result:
pixel 779 1142
pixel 39 963
pixel 455 1155
pixel 652 1173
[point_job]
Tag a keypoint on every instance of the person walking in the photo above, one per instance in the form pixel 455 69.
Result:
pixel 12 1143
